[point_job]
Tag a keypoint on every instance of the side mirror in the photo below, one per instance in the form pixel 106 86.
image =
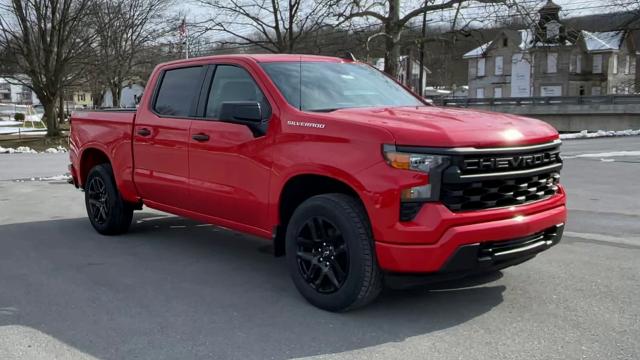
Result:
pixel 247 113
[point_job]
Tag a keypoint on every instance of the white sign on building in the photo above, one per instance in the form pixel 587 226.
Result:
pixel 520 76
pixel 549 91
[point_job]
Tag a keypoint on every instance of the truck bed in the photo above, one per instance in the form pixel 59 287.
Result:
pixel 109 131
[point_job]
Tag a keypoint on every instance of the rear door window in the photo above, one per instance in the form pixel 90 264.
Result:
pixel 178 91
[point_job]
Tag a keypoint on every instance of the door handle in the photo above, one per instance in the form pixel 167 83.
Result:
pixel 200 137
pixel 144 132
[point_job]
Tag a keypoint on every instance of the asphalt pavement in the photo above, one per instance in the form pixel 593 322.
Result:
pixel 173 288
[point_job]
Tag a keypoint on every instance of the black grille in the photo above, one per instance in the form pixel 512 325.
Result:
pixel 483 179
pixel 478 195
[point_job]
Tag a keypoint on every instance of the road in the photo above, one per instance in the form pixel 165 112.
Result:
pixel 20 166
pixel 176 289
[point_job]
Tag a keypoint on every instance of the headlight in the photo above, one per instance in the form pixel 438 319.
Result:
pixel 425 163
pixel 407 161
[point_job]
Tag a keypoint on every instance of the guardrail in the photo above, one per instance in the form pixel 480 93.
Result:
pixel 524 101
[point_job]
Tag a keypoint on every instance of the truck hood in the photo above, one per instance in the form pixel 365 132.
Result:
pixel 443 127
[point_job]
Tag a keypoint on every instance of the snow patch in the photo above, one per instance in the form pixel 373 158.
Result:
pixel 28 150
pixel 605 154
pixel 18 150
pixel 584 134
pixel 64 177
pixel 56 150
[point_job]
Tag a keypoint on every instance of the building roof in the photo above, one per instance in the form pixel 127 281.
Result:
pixel 524 39
pixel 477 52
pixel 550 6
pixel 594 41
pixel 603 41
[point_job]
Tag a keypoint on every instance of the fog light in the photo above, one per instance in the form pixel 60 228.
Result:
pixel 417 193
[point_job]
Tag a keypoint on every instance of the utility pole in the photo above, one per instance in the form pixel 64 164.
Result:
pixel 422 41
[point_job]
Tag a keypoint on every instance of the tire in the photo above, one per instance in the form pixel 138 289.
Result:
pixel 330 253
pixel 108 212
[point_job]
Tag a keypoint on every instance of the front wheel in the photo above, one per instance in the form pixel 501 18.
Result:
pixel 330 253
pixel 108 212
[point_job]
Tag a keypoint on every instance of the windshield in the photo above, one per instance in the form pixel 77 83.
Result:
pixel 326 86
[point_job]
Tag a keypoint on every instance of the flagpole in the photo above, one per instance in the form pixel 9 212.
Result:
pixel 186 30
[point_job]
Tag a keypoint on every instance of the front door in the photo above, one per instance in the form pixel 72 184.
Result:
pixel 230 166
pixel 161 137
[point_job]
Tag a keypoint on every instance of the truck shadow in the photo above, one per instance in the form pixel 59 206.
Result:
pixel 173 288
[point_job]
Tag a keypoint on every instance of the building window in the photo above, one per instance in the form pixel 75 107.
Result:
pixel 81 97
pixel 552 63
pixel 553 29
pixel 581 91
pixel 480 93
pixel 505 42
pixel 596 91
pixel 497 92
pixel 597 64
pixel 572 66
pixel 614 60
pixel 481 66
pixel 627 65
pixel 579 64
pixel 499 68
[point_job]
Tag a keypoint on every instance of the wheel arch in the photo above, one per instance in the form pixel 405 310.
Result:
pixel 90 157
pixel 302 186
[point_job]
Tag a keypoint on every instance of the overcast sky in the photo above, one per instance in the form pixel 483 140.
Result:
pixel 571 8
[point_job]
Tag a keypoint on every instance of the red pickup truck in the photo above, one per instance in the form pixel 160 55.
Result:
pixel 356 180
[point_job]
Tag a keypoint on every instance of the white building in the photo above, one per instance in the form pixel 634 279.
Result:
pixel 130 91
pixel 11 91
pixel 408 72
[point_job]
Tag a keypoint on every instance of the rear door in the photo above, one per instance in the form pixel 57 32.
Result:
pixel 229 165
pixel 161 137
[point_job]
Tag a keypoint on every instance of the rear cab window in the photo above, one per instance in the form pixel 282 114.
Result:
pixel 178 91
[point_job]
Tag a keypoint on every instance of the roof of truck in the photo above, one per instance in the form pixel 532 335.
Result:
pixel 266 58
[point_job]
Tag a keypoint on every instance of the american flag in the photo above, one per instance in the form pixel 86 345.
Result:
pixel 182 29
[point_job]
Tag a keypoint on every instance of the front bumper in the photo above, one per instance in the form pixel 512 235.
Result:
pixel 478 258
pixel 432 256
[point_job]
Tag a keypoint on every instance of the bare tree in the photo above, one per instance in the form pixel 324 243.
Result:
pixel 124 28
pixel 630 6
pixel 393 19
pixel 47 39
pixel 273 25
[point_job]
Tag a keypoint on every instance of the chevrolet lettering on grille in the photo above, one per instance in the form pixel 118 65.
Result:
pixel 514 162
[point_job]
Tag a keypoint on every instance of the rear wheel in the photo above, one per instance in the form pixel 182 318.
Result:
pixel 108 212
pixel 330 253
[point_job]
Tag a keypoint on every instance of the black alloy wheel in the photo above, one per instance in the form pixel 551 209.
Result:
pixel 331 253
pixel 323 255
pixel 98 200
pixel 108 212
